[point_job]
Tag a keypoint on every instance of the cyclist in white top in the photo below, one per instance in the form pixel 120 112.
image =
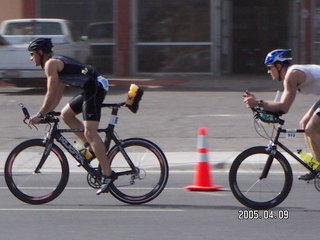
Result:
pixel 296 78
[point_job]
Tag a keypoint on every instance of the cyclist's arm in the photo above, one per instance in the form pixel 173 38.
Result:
pixel 54 90
pixel 290 84
pixel 54 86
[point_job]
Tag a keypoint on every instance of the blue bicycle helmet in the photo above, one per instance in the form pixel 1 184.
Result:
pixel 278 55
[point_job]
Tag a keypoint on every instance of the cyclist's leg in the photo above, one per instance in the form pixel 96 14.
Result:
pixel 99 150
pixel 69 112
pixel 97 145
pixel 311 123
pixel 93 96
pixel 312 132
pixel 306 118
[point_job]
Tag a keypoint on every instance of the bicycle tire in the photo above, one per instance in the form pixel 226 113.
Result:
pixel 256 193
pixel 36 188
pixel 153 171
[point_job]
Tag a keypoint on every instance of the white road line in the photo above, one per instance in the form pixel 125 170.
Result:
pixel 210 115
pixel 87 210
pixel 88 188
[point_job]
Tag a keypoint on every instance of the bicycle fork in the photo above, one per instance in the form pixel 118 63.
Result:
pixel 272 150
pixel 48 145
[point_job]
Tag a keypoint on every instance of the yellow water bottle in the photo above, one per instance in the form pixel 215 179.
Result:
pixel 86 153
pixel 132 94
pixel 83 151
pixel 313 163
pixel 133 90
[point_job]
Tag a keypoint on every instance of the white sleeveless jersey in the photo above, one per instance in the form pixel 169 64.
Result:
pixel 311 85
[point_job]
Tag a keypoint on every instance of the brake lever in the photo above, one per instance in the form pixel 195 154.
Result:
pixel 33 126
pixel 29 125
pixel 26 116
pixel 24 110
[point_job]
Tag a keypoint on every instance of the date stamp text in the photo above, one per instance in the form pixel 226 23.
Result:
pixel 247 214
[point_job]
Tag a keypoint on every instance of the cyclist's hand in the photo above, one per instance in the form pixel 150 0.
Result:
pixel 250 99
pixel 34 120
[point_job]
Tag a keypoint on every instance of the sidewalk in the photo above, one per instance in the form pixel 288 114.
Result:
pixel 184 161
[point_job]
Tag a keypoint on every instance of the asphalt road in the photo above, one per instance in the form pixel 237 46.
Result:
pixel 176 214
pixel 171 119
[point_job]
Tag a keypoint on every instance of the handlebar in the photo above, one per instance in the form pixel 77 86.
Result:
pixel 267 116
pixel 51 117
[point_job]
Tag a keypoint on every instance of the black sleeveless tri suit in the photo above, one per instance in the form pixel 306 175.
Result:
pixel 95 87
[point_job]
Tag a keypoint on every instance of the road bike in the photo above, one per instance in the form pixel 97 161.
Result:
pixel 37 170
pixel 261 176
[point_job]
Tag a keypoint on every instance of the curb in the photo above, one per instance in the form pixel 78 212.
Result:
pixel 185 161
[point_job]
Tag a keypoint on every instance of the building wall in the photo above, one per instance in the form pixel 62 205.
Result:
pixel 10 9
pixel 197 38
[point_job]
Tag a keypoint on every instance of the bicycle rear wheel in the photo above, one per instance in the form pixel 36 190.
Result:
pixel 253 191
pixel 31 187
pixel 151 175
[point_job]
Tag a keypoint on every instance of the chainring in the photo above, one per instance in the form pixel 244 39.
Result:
pixel 93 181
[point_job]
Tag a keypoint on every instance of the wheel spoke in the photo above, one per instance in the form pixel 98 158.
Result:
pixel 151 177
pixel 247 185
pixel 40 187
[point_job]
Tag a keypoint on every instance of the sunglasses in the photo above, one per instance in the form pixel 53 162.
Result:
pixel 270 66
pixel 32 54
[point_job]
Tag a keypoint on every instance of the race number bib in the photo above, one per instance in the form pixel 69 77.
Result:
pixel 104 82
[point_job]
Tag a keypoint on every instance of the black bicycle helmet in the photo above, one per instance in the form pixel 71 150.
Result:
pixel 44 44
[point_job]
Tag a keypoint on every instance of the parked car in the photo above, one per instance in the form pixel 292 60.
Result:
pixel 18 33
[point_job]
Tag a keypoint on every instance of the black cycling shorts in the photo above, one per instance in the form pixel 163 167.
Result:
pixel 89 101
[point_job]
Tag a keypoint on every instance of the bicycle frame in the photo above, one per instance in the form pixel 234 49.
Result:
pixel 56 133
pixel 131 158
pixel 261 177
pixel 272 149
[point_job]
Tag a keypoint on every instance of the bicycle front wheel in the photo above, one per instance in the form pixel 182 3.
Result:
pixel 254 190
pixel 36 187
pixel 150 173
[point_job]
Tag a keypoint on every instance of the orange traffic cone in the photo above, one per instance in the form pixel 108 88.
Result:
pixel 202 178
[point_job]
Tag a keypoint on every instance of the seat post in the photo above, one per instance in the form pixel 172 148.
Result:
pixel 113 118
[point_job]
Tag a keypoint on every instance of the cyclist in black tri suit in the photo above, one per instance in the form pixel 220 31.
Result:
pixel 61 71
